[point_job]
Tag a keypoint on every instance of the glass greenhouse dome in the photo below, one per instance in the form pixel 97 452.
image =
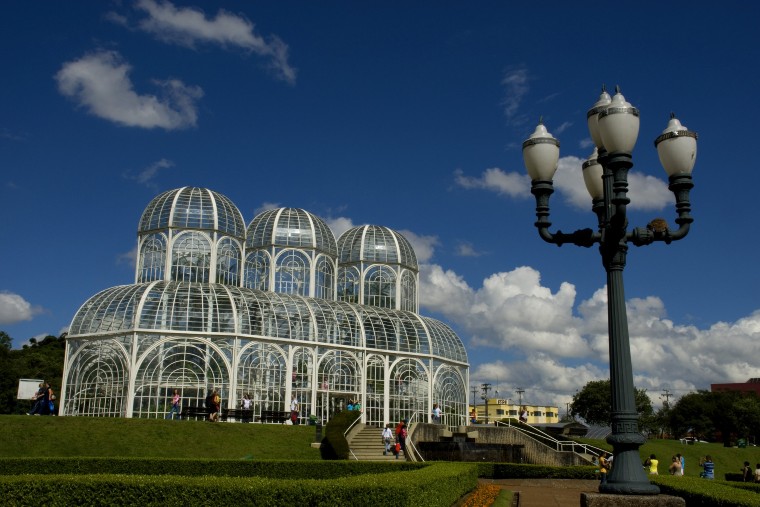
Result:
pixel 260 312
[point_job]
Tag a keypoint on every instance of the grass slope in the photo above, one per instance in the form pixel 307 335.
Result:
pixel 24 436
pixel 726 459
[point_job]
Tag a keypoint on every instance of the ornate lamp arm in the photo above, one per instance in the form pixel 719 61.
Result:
pixel 582 237
pixel 658 230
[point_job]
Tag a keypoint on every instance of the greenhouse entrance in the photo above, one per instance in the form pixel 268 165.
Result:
pixel 331 403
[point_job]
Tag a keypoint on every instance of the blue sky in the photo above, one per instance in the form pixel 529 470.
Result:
pixel 408 115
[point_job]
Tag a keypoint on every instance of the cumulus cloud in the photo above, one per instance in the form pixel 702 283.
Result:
pixel 14 308
pixel 424 246
pixel 555 344
pixel 100 83
pixel 646 192
pixel 189 26
pixel 339 225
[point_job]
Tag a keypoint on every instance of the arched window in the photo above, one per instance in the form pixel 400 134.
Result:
pixel 451 396
pixel 292 273
pixel 348 285
pixel 261 375
pixel 408 292
pixel 380 287
pixel 257 271
pixel 191 258
pixel 227 262
pixel 324 278
pixel 152 258
pixel 375 391
pixel 408 390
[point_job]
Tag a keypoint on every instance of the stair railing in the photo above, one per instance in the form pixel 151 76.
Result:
pixel 549 441
pixel 345 434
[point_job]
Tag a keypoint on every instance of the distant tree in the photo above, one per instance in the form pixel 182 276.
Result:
pixel 41 359
pixel 693 414
pixel 593 403
pixel 5 341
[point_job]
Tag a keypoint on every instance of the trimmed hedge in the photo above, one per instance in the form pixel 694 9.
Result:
pixel 700 492
pixel 279 469
pixel 334 444
pixel 433 485
pixel 522 471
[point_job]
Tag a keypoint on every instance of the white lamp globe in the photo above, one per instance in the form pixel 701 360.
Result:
pixel 619 125
pixel 541 154
pixel 677 148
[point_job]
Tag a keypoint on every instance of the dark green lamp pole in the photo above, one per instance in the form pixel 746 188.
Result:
pixel 614 125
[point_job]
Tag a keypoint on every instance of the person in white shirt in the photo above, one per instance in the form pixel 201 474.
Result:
pixel 387 438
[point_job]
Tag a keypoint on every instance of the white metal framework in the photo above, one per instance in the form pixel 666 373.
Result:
pixel 261 312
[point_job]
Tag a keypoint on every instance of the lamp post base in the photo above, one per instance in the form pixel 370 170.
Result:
pixel 603 500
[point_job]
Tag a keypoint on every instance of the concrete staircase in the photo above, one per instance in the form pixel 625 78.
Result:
pixel 366 444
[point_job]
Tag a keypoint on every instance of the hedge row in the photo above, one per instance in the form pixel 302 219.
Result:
pixel 434 485
pixel 199 467
pixel 523 471
pixel 706 493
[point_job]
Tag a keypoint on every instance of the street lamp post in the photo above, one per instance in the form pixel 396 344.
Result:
pixel 614 125
pixel 485 388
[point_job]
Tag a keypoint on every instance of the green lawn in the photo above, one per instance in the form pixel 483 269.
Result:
pixel 25 436
pixel 726 459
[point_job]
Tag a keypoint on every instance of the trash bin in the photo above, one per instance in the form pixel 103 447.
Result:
pixel 741 443
pixel 312 420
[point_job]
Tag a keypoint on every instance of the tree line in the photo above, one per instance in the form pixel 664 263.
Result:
pixel 722 416
pixel 39 359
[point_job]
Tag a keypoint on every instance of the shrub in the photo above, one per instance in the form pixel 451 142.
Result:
pixel 334 444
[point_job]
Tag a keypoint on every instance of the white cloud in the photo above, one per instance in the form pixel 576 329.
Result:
pixel 129 258
pixel 424 246
pixel 555 345
pixel 189 26
pixel 465 249
pixel 339 225
pixel 646 192
pixel 14 309
pixel 512 184
pixel 100 82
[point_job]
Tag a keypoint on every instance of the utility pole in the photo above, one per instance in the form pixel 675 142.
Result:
pixel 519 391
pixel 567 410
pixel 666 394
pixel 485 388
pixel 474 396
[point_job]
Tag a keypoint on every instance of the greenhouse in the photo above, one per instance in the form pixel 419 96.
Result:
pixel 273 310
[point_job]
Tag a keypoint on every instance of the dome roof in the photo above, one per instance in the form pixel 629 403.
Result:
pixel 373 243
pixel 291 227
pixel 158 307
pixel 193 208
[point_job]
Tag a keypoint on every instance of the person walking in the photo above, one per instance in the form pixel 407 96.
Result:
pixel 436 414
pixel 387 438
pixel 175 405
pixel 294 409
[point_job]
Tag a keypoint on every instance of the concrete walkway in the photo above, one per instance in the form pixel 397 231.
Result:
pixel 547 492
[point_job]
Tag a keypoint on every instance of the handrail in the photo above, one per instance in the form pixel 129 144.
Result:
pixel 345 434
pixel 409 441
pixel 543 438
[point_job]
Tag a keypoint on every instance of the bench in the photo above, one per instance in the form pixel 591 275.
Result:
pixel 274 416
pixel 195 413
pixel 237 414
